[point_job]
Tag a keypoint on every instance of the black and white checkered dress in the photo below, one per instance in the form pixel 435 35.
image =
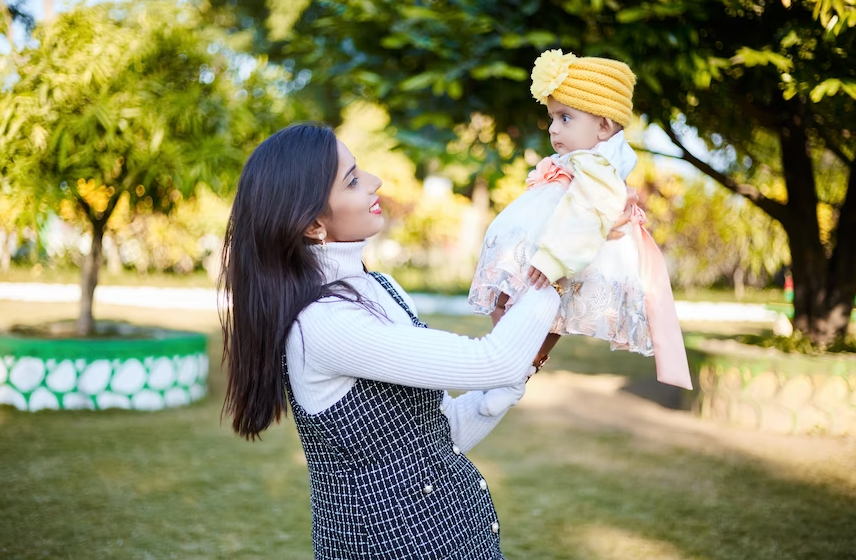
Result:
pixel 387 481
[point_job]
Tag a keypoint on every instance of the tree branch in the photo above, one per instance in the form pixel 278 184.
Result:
pixel 84 205
pixel 775 209
pixel 654 153
pixel 834 148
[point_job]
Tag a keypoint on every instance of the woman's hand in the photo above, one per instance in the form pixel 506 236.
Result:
pixel 632 198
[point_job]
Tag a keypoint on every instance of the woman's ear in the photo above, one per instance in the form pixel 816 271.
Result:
pixel 317 232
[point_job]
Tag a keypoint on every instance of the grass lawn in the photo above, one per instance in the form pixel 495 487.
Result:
pixel 583 469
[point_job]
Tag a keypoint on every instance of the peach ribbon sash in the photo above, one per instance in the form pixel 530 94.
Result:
pixel 670 356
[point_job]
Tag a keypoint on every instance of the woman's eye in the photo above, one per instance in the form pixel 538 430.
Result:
pixel 353 182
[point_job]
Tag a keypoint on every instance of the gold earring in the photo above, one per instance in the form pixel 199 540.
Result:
pixel 322 236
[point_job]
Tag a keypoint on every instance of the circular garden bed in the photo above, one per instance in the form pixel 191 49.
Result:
pixel 771 390
pixel 121 366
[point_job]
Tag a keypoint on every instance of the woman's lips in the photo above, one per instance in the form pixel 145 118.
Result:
pixel 375 209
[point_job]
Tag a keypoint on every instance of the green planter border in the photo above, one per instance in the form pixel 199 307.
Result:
pixel 165 369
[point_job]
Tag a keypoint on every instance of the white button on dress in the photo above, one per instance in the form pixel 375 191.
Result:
pixel 494 527
pixel 456 450
pixel 427 489
pixel 483 484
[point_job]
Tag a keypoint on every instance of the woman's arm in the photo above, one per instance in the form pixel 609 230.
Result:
pixel 341 338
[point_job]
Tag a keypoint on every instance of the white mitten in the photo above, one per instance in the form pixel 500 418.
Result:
pixel 497 401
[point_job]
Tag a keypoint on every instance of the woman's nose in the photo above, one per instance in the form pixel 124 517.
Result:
pixel 378 183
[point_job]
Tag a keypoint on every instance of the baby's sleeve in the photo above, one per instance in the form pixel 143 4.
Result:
pixel 580 222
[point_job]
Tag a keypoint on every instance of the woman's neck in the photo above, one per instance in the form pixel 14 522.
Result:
pixel 341 259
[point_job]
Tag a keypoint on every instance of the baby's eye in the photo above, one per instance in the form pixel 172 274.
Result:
pixel 566 118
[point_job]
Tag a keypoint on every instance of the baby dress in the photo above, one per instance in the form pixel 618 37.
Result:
pixel 617 291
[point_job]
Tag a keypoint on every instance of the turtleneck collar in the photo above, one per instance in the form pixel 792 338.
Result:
pixel 340 260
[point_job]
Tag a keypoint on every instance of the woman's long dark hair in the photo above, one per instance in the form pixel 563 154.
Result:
pixel 269 272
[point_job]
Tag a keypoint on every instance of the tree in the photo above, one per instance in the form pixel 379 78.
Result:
pixel 768 85
pixel 115 104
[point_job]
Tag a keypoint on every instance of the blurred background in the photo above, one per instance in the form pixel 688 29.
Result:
pixel 120 126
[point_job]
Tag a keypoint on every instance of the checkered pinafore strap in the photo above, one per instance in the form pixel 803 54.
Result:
pixel 381 279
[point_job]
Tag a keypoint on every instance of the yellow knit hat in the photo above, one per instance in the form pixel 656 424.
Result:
pixel 598 86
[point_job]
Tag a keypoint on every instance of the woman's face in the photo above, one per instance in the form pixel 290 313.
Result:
pixel 355 212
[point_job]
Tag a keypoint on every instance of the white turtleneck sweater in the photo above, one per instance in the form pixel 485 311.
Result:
pixel 334 342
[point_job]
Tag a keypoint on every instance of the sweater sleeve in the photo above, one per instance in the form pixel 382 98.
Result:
pixel 581 220
pixel 343 338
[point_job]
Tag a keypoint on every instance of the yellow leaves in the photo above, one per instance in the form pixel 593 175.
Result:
pixel 751 57
pixel 826 221
pixel 834 15
pixel 97 196
pixel 39 137
pixel 831 87
pixel 157 138
pixel 511 185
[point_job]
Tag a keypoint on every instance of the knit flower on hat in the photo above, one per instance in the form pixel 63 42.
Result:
pixel 551 69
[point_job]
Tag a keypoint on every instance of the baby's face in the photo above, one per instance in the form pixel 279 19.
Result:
pixel 572 129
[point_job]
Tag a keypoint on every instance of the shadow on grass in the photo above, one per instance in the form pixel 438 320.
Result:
pixel 572 494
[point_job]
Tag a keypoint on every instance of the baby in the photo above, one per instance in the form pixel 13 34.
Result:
pixel 556 231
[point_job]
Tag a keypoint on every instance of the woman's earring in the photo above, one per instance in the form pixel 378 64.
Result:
pixel 322 236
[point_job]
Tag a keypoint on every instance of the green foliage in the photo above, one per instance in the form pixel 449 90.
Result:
pixel 797 343
pixel 114 103
pixel 709 233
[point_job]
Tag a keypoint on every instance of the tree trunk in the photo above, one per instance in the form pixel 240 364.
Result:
pixel 842 266
pixel 91 266
pixel 5 250
pixel 739 284
pixel 824 287
pixel 810 266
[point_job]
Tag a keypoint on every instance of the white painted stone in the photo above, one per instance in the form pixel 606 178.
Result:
pixel 112 400
pixel 27 374
pixel 8 395
pixel 782 326
pixel 79 364
pixel 176 397
pixel 63 377
pixel 42 398
pixel 4 372
pixel 203 366
pixel 162 374
pixel 75 401
pixel 95 377
pixel 129 377
pixel 188 369
pixel 197 392
pixel 147 400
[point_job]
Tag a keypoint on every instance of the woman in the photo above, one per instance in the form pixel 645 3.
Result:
pixel 309 327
